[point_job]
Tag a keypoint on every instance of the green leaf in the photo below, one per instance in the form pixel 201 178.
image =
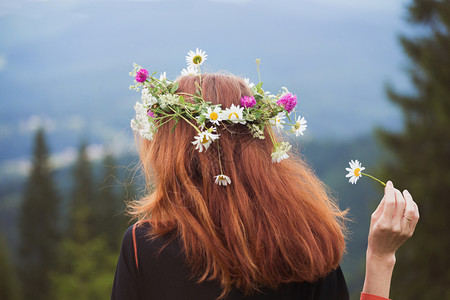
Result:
pixel 174 88
pixel 259 87
pixel 201 118
pixel 176 123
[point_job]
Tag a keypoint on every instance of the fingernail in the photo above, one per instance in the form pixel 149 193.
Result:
pixel 389 183
pixel 406 191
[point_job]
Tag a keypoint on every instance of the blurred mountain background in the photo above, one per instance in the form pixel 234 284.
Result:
pixel 64 69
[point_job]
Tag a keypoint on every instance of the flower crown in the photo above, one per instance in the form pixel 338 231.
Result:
pixel 161 103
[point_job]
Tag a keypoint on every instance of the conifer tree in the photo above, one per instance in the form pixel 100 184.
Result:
pixel 87 271
pixel 8 284
pixel 87 260
pixel 422 154
pixel 82 207
pixel 110 217
pixel 38 225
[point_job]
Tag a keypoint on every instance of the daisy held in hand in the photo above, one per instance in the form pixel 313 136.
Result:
pixel 355 172
pixel 163 102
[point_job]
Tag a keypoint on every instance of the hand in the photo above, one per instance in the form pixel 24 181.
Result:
pixel 392 223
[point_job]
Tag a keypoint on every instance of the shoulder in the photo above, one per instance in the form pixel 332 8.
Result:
pixel 139 240
pixel 135 237
pixel 137 234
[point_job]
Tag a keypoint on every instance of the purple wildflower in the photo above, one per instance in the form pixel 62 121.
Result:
pixel 247 101
pixel 288 101
pixel 150 114
pixel 141 75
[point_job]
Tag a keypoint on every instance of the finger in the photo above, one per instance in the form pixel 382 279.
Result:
pixel 416 210
pixel 379 210
pixel 415 213
pixel 389 203
pixel 408 215
pixel 400 204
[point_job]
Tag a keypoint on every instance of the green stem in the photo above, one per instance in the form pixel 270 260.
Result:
pixel 190 95
pixel 199 89
pixel 200 79
pixel 173 116
pixel 198 130
pixel 189 114
pixel 183 93
pixel 220 164
pixel 270 134
pixel 257 68
pixel 373 178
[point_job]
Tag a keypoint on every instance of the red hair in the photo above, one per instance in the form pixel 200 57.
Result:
pixel 274 224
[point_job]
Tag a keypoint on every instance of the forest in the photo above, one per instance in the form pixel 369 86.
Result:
pixel 61 229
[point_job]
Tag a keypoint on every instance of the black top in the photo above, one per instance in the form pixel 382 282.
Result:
pixel 166 276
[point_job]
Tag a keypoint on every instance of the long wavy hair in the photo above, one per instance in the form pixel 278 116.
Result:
pixel 274 224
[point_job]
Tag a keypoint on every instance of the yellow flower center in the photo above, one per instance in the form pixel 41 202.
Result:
pixel 197 59
pixel 357 172
pixel 233 113
pixel 297 125
pixel 221 177
pixel 205 139
pixel 213 116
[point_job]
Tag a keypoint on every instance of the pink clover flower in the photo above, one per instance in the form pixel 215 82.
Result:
pixel 288 101
pixel 247 101
pixel 141 75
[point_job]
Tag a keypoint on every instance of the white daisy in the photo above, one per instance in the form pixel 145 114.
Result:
pixel 196 58
pixel 299 126
pixel 204 139
pixel 191 70
pixel 354 172
pixel 280 152
pixel 222 180
pixel 214 115
pixel 276 121
pixel 248 83
pixel 234 114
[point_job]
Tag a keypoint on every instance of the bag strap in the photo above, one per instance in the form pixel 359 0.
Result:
pixel 134 246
